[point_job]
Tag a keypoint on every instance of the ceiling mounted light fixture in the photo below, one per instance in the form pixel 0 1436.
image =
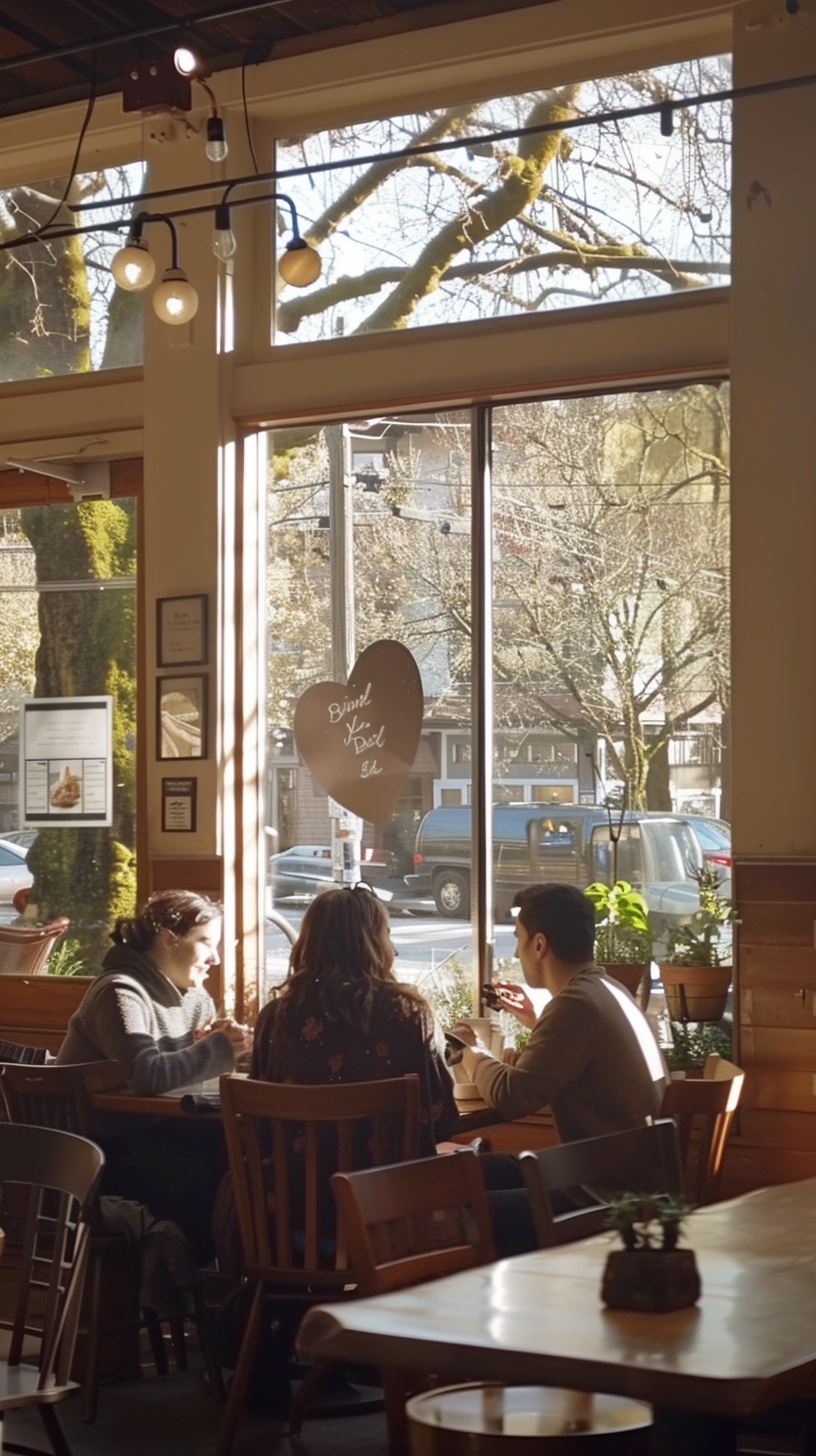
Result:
pixel 216 144
pixel 300 263
pixel 175 301
pixel 188 62
pixel 223 243
pixel 132 267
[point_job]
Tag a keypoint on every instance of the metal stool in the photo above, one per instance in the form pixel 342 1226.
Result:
pixel 508 1420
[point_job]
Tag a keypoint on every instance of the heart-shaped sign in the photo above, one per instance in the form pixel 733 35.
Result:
pixel 359 741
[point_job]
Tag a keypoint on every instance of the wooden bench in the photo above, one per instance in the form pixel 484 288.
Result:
pixel 35 1010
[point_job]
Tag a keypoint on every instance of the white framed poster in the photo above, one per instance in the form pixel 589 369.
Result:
pixel 66 761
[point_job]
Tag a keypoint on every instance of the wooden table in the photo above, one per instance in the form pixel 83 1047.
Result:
pixel 538 1318
pixel 168 1104
pixel 537 1130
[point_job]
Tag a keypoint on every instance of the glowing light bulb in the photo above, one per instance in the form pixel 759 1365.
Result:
pixel 175 301
pixel 132 267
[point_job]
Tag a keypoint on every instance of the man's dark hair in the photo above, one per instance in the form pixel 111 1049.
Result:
pixel 564 915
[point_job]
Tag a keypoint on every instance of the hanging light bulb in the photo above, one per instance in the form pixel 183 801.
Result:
pixel 216 144
pixel 175 300
pixel 185 60
pixel 223 243
pixel 132 267
pixel 300 264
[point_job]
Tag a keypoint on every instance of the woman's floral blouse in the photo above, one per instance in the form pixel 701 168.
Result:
pixel 402 1038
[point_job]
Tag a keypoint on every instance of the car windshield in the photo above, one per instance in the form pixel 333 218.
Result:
pixel 711 835
pixel 674 852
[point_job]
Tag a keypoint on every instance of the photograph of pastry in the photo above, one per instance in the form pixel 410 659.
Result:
pixel 67 788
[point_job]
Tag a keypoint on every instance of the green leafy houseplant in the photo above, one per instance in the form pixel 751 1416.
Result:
pixel 623 934
pixel 696 969
pixel 649 1272
pixel 692 1044
pixel 701 942
pixel 648 1220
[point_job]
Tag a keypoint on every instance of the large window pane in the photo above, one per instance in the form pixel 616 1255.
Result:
pixel 68 627
pixel 60 311
pixel 608 212
pixel 611 584
pixel 405 482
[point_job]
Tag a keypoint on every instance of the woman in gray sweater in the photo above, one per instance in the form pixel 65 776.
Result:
pixel 148 1011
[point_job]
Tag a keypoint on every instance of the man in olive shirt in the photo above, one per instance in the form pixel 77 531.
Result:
pixel 591 1056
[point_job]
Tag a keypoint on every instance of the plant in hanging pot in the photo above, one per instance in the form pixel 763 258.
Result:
pixel 696 969
pixel 623 935
pixel 650 1272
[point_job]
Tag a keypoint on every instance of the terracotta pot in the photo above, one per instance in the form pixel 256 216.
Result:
pixel 628 973
pixel 696 993
pixel 650 1279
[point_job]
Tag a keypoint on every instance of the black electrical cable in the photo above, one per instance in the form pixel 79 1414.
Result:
pixel 570 123
pixel 36 233
pixel 246 117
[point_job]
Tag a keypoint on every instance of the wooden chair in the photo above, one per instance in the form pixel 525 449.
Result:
pixel 59 1097
pixel 25 949
pixel 407 1223
pixel 706 1107
pixel 414 1221
pixel 643 1159
pixel 417 1221
pixel 283 1143
pixel 61 1172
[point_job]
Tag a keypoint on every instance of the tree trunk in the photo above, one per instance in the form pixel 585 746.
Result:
pixel 87 647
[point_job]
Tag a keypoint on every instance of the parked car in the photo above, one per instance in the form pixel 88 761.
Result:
pixel 658 853
pixel 14 873
pixel 23 838
pixel 300 872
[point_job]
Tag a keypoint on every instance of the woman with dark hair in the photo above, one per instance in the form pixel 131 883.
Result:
pixel 342 1015
pixel 148 1010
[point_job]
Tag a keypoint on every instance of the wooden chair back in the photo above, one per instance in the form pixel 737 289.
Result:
pixel 284 1141
pixel 35 1010
pixel 56 1097
pixel 704 1107
pixel 641 1159
pixel 415 1221
pixel 25 949
pixel 54 1251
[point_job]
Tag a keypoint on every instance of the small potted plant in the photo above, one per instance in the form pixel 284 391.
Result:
pixel 650 1272
pixel 689 1046
pixel 696 969
pixel 623 935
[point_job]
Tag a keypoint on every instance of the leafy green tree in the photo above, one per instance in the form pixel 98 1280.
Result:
pixel 87 647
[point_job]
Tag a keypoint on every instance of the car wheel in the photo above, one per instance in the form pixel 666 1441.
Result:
pixel 452 894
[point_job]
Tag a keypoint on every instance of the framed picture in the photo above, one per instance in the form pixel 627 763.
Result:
pixel 182 631
pixel 178 806
pixel 181 717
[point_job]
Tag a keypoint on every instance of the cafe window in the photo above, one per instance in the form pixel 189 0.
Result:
pixel 68 630
pixel 511 224
pixel 60 310
pixel 610 525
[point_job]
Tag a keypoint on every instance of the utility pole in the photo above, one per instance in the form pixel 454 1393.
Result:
pixel 346 828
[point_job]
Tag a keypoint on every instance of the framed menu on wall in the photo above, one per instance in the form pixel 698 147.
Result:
pixel 182 631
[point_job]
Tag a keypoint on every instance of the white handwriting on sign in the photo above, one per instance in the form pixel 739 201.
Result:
pixel 349 705
pixel 357 738
pixel 357 734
